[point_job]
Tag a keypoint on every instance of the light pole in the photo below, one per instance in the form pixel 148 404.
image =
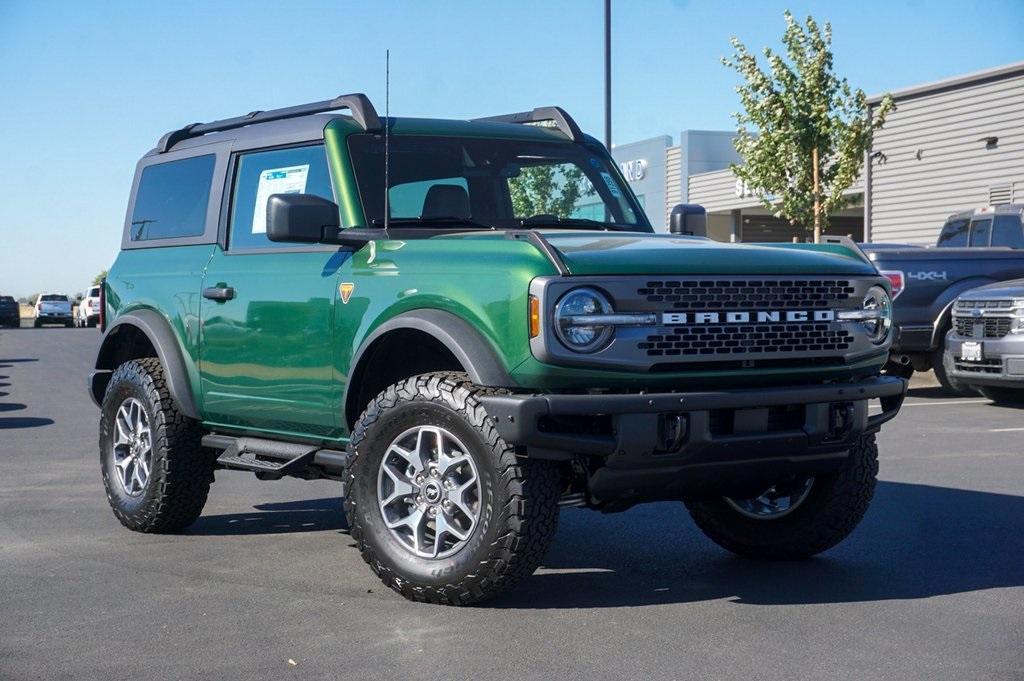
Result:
pixel 608 74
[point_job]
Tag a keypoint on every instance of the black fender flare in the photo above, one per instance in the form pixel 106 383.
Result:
pixel 471 349
pixel 168 350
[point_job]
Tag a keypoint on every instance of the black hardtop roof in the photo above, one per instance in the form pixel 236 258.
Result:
pixel 309 120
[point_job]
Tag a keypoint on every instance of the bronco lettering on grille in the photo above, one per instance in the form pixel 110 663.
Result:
pixel 737 317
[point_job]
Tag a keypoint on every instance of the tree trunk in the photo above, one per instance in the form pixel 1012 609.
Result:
pixel 817 197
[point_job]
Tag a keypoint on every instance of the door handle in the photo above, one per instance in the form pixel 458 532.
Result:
pixel 220 293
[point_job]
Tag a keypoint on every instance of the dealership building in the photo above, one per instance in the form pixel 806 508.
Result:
pixel 949 146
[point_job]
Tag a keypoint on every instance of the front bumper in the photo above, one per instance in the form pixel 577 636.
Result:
pixel 672 445
pixel 1002 361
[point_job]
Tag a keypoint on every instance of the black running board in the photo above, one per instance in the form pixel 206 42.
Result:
pixel 275 459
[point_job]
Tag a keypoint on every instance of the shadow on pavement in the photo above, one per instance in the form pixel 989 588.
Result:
pixel 309 515
pixel 20 359
pixel 930 393
pixel 12 422
pixel 917 541
pixel 11 406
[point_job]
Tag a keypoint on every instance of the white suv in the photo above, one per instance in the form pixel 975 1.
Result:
pixel 88 311
pixel 52 308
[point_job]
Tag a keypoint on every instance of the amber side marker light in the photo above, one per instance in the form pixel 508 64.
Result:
pixel 534 316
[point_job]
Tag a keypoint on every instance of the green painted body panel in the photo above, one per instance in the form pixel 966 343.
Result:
pixel 266 357
pixel 167 281
pixel 613 253
pixel 276 358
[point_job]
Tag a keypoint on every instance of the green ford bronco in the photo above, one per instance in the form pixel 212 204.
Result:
pixel 470 324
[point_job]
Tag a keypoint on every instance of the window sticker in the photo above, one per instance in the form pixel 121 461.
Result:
pixel 291 180
pixel 613 187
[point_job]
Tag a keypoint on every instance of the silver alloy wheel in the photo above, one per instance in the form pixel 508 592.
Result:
pixel 774 503
pixel 428 491
pixel 133 447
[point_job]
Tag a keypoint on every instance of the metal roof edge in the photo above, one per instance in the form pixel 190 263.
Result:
pixel 984 75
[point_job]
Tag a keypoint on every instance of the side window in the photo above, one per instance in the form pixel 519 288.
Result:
pixel 954 233
pixel 1007 231
pixel 172 199
pixel 298 170
pixel 980 231
pixel 408 200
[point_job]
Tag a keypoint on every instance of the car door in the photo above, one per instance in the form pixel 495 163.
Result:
pixel 267 309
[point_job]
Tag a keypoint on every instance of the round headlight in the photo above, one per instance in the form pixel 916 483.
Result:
pixel 571 325
pixel 878 328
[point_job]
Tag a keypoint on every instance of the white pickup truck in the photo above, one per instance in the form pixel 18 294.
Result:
pixel 87 314
pixel 52 308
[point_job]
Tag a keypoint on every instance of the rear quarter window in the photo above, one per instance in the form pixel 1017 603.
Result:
pixel 954 233
pixel 1007 232
pixel 172 199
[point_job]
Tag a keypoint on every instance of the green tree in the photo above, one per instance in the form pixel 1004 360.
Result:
pixel 803 131
pixel 548 189
pixel 99 277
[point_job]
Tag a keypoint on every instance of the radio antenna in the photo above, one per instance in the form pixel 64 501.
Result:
pixel 387 137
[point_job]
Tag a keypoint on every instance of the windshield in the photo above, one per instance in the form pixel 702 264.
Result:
pixel 507 184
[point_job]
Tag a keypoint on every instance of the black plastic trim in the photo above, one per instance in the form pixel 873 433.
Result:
pixel 556 114
pixel 357 103
pixel 472 351
pixel 168 350
pixel 518 417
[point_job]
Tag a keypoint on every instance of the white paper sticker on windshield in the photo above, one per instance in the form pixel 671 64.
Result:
pixel 613 186
pixel 291 180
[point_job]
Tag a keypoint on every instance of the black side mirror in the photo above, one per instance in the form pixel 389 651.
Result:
pixel 689 219
pixel 310 219
pixel 301 218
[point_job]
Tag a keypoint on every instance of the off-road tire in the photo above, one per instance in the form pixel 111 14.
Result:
pixel 834 506
pixel 181 470
pixel 949 384
pixel 519 497
pixel 1002 395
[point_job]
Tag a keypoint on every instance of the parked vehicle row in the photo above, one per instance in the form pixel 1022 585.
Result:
pixel 54 308
pixel 974 248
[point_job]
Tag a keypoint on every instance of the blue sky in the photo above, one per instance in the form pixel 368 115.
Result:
pixel 87 87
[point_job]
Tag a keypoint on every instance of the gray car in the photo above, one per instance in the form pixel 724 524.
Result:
pixel 985 346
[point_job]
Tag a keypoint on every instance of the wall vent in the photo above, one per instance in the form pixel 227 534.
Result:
pixel 1000 193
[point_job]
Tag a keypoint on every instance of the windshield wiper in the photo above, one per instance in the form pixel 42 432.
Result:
pixel 442 220
pixel 546 219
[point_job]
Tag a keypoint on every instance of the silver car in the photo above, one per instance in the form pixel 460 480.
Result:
pixel 985 346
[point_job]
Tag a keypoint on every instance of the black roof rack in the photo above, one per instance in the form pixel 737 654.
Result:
pixel 358 103
pixel 555 114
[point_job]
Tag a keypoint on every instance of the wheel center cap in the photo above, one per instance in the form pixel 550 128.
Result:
pixel 432 492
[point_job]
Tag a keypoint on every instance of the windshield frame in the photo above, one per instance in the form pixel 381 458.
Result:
pixel 608 164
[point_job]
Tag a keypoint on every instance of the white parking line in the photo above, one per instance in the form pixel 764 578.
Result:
pixel 1006 430
pixel 936 404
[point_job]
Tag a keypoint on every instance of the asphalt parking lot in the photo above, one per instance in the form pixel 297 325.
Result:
pixel 267 583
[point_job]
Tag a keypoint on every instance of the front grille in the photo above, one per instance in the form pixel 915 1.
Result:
pixel 746 294
pixel 991 327
pixel 984 304
pixel 987 366
pixel 740 340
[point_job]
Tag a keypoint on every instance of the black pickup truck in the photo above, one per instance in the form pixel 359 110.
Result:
pixel 975 248
pixel 10 312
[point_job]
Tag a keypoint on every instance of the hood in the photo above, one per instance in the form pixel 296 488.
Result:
pixel 609 253
pixel 1001 289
